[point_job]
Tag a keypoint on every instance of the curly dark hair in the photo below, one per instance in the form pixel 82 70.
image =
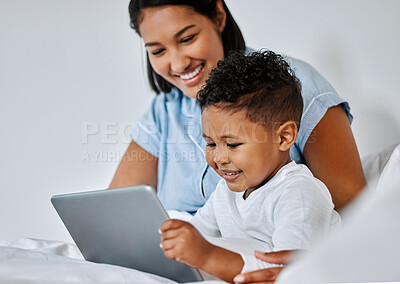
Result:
pixel 262 83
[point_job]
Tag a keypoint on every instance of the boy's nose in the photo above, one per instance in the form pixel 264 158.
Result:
pixel 221 157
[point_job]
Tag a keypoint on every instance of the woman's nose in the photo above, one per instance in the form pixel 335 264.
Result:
pixel 179 62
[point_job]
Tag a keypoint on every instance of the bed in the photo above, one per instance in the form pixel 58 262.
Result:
pixel 38 261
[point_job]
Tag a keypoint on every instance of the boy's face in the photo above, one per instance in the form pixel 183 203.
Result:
pixel 244 153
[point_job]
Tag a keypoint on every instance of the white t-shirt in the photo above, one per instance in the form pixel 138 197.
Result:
pixel 289 212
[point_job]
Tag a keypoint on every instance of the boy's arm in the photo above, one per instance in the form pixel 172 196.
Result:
pixel 223 264
pixel 182 242
pixel 303 213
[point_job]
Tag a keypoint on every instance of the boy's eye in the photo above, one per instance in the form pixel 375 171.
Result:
pixel 234 145
pixel 212 145
pixel 187 39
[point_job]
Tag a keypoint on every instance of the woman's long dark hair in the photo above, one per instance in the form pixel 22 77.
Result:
pixel 232 38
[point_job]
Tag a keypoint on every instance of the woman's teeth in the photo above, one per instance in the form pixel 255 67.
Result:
pixel 192 74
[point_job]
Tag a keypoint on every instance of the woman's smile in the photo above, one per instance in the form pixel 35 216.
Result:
pixel 193 77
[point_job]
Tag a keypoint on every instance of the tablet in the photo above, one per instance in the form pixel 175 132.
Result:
pixel 120 226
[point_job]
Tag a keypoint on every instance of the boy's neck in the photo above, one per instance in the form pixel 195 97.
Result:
pixel 283 162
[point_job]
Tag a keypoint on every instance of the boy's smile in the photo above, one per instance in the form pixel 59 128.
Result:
pixel 230 175
pixel 242 152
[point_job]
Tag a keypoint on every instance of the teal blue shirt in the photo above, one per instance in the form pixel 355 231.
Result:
pixel 171 131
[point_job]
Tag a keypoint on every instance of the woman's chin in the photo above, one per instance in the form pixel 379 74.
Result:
pixel 191 92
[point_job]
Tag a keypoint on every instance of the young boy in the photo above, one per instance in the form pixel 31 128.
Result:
pixel 251 110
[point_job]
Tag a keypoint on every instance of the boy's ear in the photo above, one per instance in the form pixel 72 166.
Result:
pixel 221 16
pixel 287 135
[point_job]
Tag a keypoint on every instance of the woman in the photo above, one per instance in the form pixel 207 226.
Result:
pixel 185 39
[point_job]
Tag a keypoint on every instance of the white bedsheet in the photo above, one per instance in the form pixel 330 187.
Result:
pixel 38 261
pixel 43 261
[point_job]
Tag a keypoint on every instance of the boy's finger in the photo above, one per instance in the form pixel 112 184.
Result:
pixel 169 253
pixel 170 234
pixel 171 224
pixel 167 245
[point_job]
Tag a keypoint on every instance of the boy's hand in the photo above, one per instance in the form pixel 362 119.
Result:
pixel 182 242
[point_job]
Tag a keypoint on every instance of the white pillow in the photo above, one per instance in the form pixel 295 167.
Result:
pixel 374 164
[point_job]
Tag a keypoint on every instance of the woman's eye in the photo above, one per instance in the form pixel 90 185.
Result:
pixel 234 145
pixel 212 145
pixel 187 39
pixel 157 52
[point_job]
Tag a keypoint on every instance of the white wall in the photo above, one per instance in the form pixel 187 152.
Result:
pixel 68 67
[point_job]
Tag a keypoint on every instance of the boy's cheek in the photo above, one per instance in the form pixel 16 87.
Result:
pixel 212 165
pixel 210 161
pixel 209 158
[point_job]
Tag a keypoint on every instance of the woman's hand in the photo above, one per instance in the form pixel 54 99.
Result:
pixel 267 275
pixel 182 242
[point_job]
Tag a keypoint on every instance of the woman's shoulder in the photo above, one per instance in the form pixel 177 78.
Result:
pixel 312 82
